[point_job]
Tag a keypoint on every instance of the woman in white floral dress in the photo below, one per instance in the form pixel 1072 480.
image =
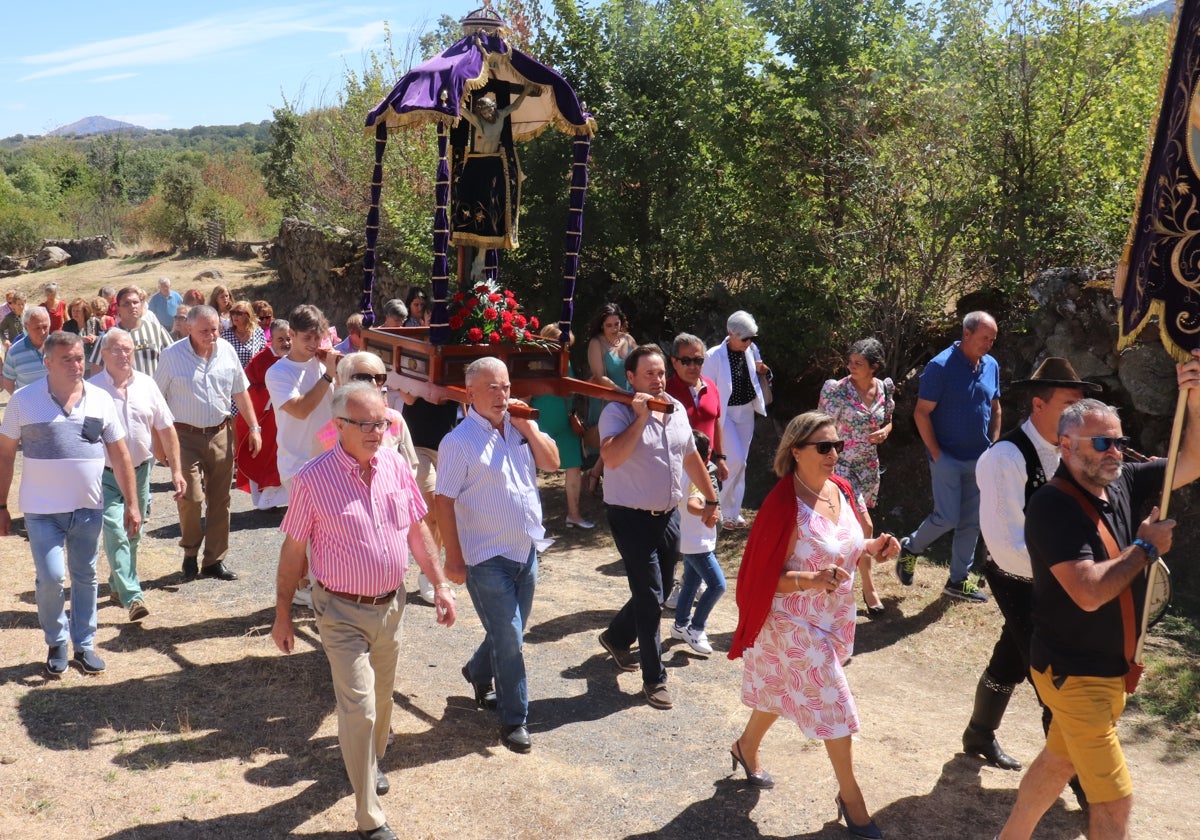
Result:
pixel 796 608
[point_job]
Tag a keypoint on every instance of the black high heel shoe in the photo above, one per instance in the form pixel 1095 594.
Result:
pixel 870 830
pixel 758 780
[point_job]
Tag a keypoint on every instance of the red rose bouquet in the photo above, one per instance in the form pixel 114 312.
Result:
pixel 490 315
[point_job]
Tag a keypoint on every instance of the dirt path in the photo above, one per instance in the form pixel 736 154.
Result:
pixel 200 729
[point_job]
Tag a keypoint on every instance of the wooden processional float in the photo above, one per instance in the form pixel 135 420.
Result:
pixel 484 96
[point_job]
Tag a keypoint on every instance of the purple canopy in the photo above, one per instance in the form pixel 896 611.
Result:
pixel 433 92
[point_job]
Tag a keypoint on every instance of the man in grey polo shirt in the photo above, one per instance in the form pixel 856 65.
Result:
pixel 148 336
pixel 200 376
pixel 67 429
pixel 646 454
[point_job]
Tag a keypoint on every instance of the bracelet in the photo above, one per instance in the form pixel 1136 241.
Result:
pixel 443 586
pixel 718 458
pixel 797 579
pixel 256 428
pixel 1148 547
pixel 711 502
pixel 327 378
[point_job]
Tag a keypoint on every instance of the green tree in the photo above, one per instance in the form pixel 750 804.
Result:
pixel 180 186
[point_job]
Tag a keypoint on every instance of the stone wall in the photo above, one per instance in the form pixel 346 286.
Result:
pixel 323 265
pixel 81 250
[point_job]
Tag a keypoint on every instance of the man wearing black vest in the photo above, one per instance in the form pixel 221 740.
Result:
pixel 1008 473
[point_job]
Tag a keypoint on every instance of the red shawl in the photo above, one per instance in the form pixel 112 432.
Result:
pixel 762 563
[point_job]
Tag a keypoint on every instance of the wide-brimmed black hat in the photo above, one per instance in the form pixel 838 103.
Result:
pixel 1057 372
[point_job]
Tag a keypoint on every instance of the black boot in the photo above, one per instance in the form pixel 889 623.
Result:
pixel 979 739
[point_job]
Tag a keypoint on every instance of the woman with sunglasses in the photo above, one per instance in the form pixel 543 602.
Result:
pixel 796 609
pixel 861 406
pixel 244 333
pixel 367 367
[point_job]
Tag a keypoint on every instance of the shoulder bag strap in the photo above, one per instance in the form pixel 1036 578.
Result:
pixel 1128 616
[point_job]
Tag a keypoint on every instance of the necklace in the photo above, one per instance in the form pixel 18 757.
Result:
pixel 800 481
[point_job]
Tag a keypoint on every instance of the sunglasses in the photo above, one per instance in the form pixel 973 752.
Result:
pixel 1102 444
pixel 690 361
pixel 378 378
pixel 824 447
pixel 367 426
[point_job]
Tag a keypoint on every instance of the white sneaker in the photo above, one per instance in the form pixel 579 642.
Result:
pixel 302 597
pixel 697 639
pixel 673 598
pixel 425 588
pixel 678 631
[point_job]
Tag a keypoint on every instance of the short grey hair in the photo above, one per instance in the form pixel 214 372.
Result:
pixel 164 281
pixel 741 324
pixel 112 335
pixel 1075 416
pixel 487 363
pixel 281 325
pixel 360 359
pixel 395 308
pixel 30 311
pixel 973 319
pixel 202 310
pixel 685 340
pixel 60 338
pixel 343 393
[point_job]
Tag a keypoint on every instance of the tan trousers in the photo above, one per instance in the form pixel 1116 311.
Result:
pixel 427 481
pixel 208 470
pixel 362 643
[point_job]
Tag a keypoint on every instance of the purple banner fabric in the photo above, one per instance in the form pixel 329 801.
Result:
pixel 1159 274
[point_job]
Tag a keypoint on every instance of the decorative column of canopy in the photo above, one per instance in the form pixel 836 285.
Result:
pixel 439 320
pixel 581 150
pixel 368 283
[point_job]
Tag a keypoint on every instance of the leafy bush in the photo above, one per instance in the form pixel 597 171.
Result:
pixel 22 229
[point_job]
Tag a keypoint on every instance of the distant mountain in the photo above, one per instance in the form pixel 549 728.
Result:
pixel 94 125
pixel 1164 9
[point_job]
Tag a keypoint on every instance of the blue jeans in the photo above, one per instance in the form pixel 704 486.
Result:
pixel 120 548
pixel 79 532
pixel 955 507
pixel 697 567
pixel 502 592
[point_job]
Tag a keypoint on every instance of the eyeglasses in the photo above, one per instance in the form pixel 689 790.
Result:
pixel 1101 443
pixel 367 426
pixel 824 447
pixel 690 361
pixel 378 378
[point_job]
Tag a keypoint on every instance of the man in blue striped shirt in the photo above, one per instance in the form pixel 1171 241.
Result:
pixel 490 517
pixel 24 362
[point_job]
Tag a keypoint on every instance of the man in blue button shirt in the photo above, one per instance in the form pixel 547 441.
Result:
pixel 958 418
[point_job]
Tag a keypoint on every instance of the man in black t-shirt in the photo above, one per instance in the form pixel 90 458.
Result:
pixel 1080 655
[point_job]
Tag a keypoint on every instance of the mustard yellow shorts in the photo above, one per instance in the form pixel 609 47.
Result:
pixel 1084 730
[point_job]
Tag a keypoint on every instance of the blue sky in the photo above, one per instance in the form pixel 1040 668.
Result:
pixel 176 65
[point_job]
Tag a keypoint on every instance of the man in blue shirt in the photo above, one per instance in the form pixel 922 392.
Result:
pixel 958 418
pixel 165 304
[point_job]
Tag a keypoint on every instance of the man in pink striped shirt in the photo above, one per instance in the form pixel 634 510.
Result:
pixel 355 512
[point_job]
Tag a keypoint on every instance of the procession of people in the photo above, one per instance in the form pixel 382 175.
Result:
pixel 1066 535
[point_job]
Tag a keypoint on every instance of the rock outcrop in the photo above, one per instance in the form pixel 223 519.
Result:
pixel 48 257
pixel 82 250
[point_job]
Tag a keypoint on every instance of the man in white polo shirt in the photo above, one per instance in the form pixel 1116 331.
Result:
pixel 199 377
pixel 145 415
pixel 66 428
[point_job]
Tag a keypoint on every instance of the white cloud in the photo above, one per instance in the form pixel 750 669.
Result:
pixel 115 77
pixel 200 40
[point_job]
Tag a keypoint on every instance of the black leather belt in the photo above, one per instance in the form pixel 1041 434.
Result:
pixel 385 598
pixel 205 430
pixel 666 512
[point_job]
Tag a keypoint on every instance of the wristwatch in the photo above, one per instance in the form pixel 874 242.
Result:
pixel 717 457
